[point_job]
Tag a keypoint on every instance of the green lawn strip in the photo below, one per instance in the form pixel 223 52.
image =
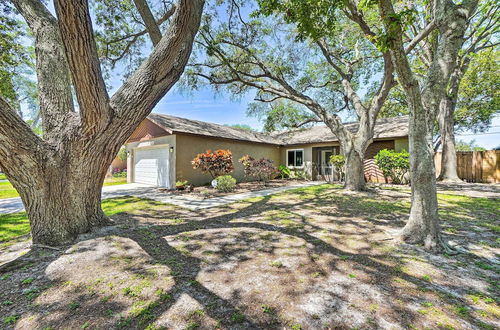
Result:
pixel 16 224
pixel 13 225
pixel 3 176
pixel 8 191
pixel 481 211
pixel 114 181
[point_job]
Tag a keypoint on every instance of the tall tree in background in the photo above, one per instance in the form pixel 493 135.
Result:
pixel 321 69
pixel 478 41
pixel 472 97
pixel 59 176
pixel 445 28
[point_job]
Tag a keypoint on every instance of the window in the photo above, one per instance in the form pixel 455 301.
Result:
pixel 295 158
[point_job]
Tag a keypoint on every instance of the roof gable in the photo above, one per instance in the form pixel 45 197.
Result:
pixel 188 126
pixel 147 130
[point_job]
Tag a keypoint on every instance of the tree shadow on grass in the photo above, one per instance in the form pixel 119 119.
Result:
pixel 230 312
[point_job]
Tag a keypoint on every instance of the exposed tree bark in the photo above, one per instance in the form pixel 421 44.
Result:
pixel 64 204
pixel 451 21
pixel 446 123
pixel 479 36
pixel 53 77
pixel 355 170
pixel 59 178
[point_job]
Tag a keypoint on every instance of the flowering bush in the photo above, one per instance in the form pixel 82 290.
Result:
pixel 215 163
pixel 225 183
pixel 262 169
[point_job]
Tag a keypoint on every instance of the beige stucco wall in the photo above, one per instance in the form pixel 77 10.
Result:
pixel 186 147
pixel 189 146
pixel 167 141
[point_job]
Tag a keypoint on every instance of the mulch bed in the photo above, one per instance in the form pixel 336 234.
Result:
pixel 205 192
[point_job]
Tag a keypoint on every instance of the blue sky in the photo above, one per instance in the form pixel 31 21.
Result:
pixel 206 105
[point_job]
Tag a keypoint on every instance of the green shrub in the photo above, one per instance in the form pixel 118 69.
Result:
pixel 181 184
pixel 119 173
pixel 394 164
pixel 338 163
pixel 225 183
pixel 285 172
pixel 299 174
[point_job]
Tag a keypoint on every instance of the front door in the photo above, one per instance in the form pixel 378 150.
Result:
pixel 326 167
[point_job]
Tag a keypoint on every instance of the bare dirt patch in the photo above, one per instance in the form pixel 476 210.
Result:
pixel 313 258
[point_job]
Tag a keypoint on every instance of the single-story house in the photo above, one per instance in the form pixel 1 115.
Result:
pixel 162 147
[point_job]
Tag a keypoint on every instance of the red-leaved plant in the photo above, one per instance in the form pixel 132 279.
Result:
pixel 262 169
pixel 215 163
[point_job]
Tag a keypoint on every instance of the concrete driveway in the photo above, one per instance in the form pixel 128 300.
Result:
pixel 13 205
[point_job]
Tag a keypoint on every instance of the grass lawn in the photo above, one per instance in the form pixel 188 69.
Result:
pixel 17 224
pixel 2 176
pixel 312 258
pixel 114 181
pixel 8 191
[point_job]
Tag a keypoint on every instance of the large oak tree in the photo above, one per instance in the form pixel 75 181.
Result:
pixel 59 175
pixel 472 96
pixel 321 69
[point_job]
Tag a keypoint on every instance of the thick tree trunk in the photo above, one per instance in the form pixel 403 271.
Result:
pixel 63 198
pixel 354 169
pixel 423 224
pixel 59 213
pixel 451 22
pixel 449 154
pixel 59 177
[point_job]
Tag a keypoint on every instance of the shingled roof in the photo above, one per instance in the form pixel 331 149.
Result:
pixel 385 128
pixel 182 125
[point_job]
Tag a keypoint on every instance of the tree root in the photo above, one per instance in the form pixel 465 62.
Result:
pixel 14 264
pixel 43 246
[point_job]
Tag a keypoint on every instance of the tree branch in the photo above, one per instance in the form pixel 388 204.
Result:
pixel 78 37
pixel 53 77
pixel 148 84
pixel 419 37
pixel 149 20
pixel 15 132
pixel 159 22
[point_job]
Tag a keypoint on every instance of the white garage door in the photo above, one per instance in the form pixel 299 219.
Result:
pixel 151 166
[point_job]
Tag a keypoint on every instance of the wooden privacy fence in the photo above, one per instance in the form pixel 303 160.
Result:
pixel 475 166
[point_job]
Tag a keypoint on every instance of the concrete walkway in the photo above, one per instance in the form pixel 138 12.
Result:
pixel 13 205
